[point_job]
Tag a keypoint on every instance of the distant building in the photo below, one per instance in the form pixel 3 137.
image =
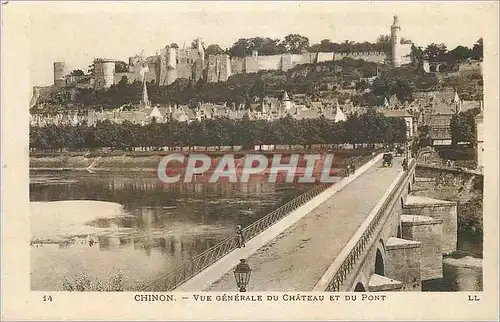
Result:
pixel 444 106
pixel 59 74
pixel 172 63
pixel 104 73
pixel 407 117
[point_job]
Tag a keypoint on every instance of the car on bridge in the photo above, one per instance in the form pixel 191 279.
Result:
pixel 387 157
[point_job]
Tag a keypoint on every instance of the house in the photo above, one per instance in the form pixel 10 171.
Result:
pixel 438 116
pixel 406 116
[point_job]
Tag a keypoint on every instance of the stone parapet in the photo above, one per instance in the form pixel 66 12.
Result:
pixel 429 232
pixel 403 263
pixel 437 209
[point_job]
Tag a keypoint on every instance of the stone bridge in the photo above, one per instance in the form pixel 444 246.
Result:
pixel 365 233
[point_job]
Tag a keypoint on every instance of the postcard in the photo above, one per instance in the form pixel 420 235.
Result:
pixel 250 160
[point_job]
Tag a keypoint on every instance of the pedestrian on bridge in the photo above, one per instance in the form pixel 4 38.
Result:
pixel 353 167
pixel 239 237
pixel 404 164
pixel 348 169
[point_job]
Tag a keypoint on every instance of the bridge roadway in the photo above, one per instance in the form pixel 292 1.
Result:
pixel 300 255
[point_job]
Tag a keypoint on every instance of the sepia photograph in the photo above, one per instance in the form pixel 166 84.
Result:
pixel 293 151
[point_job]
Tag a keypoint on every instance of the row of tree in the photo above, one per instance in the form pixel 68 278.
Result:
pixel 440 53
pixel 296 44
pixel 368 128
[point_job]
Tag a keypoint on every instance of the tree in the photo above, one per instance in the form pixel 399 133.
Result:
pixel 405 41
pixel 264 46
pixel 384 43
pixel 346 46
pixel 91 69
pixel 213 50
pixel 121 66
pixel 77 72
pixel 194 43
pixel 462 127
pixel 417 54
pixel 477 50
pixel 460 54
pixel 174 45
pixel 362 85
pixel 436 52
pixel 295 43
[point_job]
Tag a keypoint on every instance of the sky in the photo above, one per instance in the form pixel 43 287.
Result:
pixel 77 32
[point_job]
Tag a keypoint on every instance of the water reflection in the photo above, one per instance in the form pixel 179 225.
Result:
pixel 462 270
pixel 162 225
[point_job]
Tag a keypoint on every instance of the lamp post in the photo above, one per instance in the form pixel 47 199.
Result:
pixel 242 274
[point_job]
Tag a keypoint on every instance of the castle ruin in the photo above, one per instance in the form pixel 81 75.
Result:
pixel 173 63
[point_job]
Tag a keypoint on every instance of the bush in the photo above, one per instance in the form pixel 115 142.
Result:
pixel 116 283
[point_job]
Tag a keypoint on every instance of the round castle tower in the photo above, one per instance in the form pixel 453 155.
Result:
pixel 59 74
pixel 396 42
pixel 104 73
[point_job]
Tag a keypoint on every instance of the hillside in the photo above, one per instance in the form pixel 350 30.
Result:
pixel 313 80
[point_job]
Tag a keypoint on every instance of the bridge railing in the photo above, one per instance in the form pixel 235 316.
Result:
pixel 203 260
pixel 347 266
pixel 182 273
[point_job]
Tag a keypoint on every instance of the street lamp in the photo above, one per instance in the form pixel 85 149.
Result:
pixel 242 274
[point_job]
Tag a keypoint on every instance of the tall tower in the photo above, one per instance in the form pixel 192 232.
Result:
pixel 396 42
pixel 59 74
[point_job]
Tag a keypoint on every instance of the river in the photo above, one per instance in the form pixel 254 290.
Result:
pixel 134 226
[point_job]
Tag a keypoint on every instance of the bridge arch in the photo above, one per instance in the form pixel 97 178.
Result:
pixel 379 264
pixel 360 287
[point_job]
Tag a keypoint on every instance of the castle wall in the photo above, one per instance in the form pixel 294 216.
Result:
pixel 269 62
pixel 153 75
pixel 321 57
pixel 237 65
pixel 404 52
pixel 251 64
pixel 212 72
pixel 374 57
pixel 306 58
pixel 183 64
pixel 286 62
pixel 218 68
pixel 163 66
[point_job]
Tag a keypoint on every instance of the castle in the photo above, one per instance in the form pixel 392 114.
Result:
pixel 173 63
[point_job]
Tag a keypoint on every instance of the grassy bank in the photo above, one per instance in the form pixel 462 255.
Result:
pixel 148 160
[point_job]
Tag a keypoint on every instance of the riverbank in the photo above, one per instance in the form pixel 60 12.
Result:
pixel 463 188
pixel 147 161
